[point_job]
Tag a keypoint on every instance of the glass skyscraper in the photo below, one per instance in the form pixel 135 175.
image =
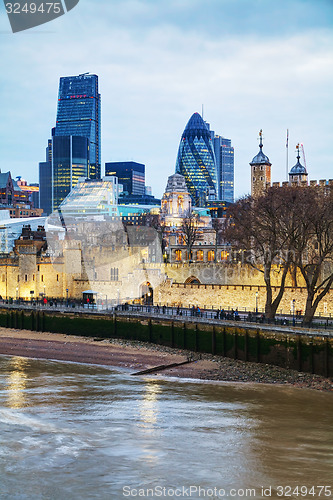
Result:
pixel 79 114
pixel 130 174
pixel 224 154
pixel 69 163
pixel 196 161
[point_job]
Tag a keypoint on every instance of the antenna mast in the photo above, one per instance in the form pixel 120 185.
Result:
pixel 302 147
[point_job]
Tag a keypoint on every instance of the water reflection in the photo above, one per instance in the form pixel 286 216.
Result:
pixel 149 414
pixel 16 382
pixel 149 404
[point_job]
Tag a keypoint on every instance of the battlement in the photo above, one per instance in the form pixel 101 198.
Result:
pixel 313 183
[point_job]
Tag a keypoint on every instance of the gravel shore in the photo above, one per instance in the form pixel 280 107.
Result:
pixel 135 356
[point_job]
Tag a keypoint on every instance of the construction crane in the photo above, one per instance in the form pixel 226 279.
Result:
pixel 303 155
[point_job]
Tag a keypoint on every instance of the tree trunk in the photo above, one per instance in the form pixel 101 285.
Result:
pixel 310 310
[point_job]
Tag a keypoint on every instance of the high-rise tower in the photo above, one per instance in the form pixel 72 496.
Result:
pixel 260 171
pixel 196 161
pixel 224 154
pixel 79 114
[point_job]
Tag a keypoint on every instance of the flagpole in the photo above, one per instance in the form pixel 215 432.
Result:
pixel 287 154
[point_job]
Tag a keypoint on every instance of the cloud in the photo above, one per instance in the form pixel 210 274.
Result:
pixel 156 67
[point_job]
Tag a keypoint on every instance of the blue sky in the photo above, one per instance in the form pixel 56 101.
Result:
pixel 252 63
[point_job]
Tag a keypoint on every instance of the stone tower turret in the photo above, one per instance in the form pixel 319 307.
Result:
pixel 260 171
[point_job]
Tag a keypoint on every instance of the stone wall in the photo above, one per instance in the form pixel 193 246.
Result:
pixel 235 296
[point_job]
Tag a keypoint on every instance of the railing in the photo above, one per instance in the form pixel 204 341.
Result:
pixel 219 315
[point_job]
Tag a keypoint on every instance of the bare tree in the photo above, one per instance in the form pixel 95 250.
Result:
pixel 314 247
pixel 190 230
pixel 266 228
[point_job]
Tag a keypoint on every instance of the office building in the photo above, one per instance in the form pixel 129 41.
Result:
pixel 130 174
pixel 79 114
pixel 224 155
pixel 196 161
pixel 45 181
pixel 70 159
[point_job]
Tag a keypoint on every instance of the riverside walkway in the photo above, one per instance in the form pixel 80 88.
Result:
pixel 286 324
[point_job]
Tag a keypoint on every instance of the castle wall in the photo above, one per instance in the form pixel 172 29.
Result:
pixel 242 297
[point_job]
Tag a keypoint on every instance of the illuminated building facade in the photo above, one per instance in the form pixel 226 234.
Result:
pixel 130 174
pixel 69 162
pixel 196 161
pixel 224 154
pixel 91 197
pixel 79 114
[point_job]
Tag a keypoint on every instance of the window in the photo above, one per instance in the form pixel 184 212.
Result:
pixel 18 278
pixel 57 277
pixel 200 255
pixel 178 255
pixel 261 178
pixel 33 277
pixel 25 277
pixel 42 277
pixel 211 255
pixel 114 274
pixel 38 268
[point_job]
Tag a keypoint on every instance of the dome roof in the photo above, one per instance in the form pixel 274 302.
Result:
pixel 260 158
pixel 298 168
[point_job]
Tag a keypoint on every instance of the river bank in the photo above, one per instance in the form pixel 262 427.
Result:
pixel 135 356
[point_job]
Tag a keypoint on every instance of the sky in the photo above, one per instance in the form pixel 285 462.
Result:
pixel 252 64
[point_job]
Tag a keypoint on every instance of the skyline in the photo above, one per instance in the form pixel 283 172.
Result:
pixel 252 65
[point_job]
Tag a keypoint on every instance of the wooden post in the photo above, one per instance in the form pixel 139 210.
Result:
pixel 22 320
pixel 246 345
pixel 224 347
pixel 326 358
pixel 311 357
pixel 258 346
pixel 196 338
pixel 7 320
pixel 12 323
pixel 172 339
pixel 150 330
pixel 16 319
pixel 37 321
pixel 214 341
pixel 184 335
pixel 235 345
pixel 43 322
pixel 299 354
pixel 115 325
pixel 32 321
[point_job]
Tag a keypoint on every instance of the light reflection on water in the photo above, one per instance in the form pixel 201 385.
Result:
pixel 78 431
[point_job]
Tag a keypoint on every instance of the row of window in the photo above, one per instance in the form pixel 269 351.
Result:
pixel 26 278
pixel 199 255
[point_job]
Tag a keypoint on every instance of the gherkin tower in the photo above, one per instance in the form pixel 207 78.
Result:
pixel 196 161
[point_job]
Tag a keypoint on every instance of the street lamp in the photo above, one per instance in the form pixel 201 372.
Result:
pixel 257 302
pixel 294 312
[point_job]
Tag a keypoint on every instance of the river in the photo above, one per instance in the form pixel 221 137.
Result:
pixel 73 431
